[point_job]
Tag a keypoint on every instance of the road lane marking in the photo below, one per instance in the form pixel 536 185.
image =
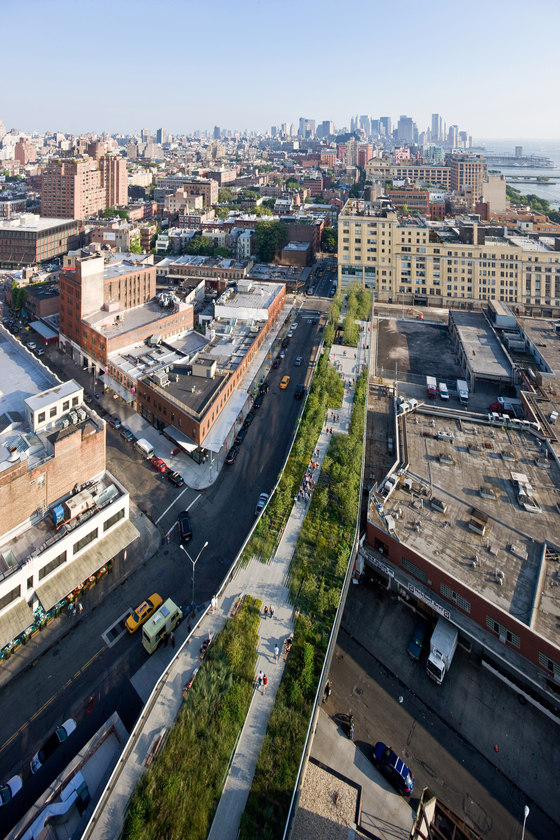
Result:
pixel 174 502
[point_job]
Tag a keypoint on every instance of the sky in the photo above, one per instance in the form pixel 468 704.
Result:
pixel 121 65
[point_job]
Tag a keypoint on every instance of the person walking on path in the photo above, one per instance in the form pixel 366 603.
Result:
pixel 260 678
pixel 276 652
pixel 173 640
pixel 80 607
pixel 265 683
pixel 271 611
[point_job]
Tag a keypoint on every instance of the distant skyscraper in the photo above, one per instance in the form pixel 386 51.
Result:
pixel 161 135
pixel 405 129
pixel 453 136
pixel 306 128
pixel 365 124
pixel 145 135
pixel 385 125
pixel 273 131
pixel 217 132
pixel 437 128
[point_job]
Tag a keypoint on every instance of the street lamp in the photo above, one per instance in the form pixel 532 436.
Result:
pixel 525 815
pixel 194 562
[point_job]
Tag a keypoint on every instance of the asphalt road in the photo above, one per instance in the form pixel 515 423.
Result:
pixel 81 665
pixel 385 709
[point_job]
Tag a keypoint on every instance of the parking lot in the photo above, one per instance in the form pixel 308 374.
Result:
pixel 470 740
pixel 416 348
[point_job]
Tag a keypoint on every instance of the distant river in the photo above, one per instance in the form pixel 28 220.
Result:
pixel 545 148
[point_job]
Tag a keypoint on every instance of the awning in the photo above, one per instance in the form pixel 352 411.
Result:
pixel 217 435
pixel 15 621
pixel 180 438
pixel 72 574
pixel 45 332
pixel 117 387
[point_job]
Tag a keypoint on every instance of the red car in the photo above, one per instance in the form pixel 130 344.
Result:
pixel 158 465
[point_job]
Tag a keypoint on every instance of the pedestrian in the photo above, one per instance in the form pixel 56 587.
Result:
pixel 173 640
pixel 71 609
pixel 265 611
pixel 166 641
pixel 271 611
pixel 265 683
pixel 80 607
pixel 260 678
pixel 276 652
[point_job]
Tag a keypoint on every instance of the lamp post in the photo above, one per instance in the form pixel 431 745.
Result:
pixel 526 812
pixel 194 562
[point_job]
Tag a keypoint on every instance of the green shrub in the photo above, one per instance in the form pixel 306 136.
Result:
pixel 178 795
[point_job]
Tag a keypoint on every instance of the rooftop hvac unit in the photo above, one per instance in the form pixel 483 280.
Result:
pixel 65 422
pixel 73 416
pixel 81 414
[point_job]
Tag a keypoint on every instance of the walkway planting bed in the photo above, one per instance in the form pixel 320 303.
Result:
pixel 316 576
pixel 178 795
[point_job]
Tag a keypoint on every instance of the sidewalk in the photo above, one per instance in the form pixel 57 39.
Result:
pixel 143 548
pixel 266 581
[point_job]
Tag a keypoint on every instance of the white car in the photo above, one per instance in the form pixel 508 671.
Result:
pixel 263 499
pixel 9 790
pixel 52 743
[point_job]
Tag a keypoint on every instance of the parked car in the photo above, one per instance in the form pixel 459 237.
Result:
pixel 285 382
pixel 185 530
pixel 232 454
pixel 52 743
pixel 298 361
pixel 115 421
pixel 393 768
pixel 88 399
pixel 9 789
pixel 282 354
pixel 294 325
pixel 276 362
pixel 143 612
pixel 126 434
pixel 158 464
pixel 175 478
pixel 285 342
pixel 300 392
pixel 263 499
pixel 39 351
pixel 258 401
pixel 249 419
pixel 241 435
pixel 416 642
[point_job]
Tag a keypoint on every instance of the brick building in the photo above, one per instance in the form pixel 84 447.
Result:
pixel 114 180
pixel 72 189
pixel 29 239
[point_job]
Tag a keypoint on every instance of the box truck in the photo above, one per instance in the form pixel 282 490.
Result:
pixel 443 645
pixel 462 391
pixel 160 625
pixel 431 387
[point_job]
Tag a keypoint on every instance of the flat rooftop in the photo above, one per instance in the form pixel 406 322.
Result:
pixel 31 222
pixel 141 359
pixel 484 352
pixel 258 296
pixel 22 375
pixel 191 392
pixel 129 319
pixel 542 332
pixel 471 478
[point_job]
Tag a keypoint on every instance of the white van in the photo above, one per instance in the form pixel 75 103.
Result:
pixel 443 392
pixel 145 448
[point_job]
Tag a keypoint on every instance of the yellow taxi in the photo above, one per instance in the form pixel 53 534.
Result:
pixel 285 382
pixel 143 612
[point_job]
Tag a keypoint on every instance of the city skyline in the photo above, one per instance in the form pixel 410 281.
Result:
pixel 80 77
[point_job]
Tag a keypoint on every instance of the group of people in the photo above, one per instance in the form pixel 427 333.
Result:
pixel 262 681
pixel 269 611
pixel 307 485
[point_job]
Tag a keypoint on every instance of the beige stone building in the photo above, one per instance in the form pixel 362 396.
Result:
pixel 418 262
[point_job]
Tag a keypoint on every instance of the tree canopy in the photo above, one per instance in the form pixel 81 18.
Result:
pixel 329 241
pixel 269 238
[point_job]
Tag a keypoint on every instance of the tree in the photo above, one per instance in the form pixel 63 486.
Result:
pixel 19 296
pixel 293 184
pixel 261 210
pixel 225 195
pixel 135 247
pixel 109 213
pixel 329 241
pixel 269 238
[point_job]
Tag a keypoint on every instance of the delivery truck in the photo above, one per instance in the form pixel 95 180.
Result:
pixel 443 645
pixel 462 391
pixel 431 387
pixel 161 625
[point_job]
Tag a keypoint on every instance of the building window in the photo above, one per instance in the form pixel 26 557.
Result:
pixel 54 564
pixel 85 541
pixel 9 597
pixel 549 664
pixel 30 582
pixel 41 417
pixel 414 570
pixel 503 632
pixel 461 602
pixel 113 519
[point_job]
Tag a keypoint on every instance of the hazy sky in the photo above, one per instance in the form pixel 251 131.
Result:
pixel 120 65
